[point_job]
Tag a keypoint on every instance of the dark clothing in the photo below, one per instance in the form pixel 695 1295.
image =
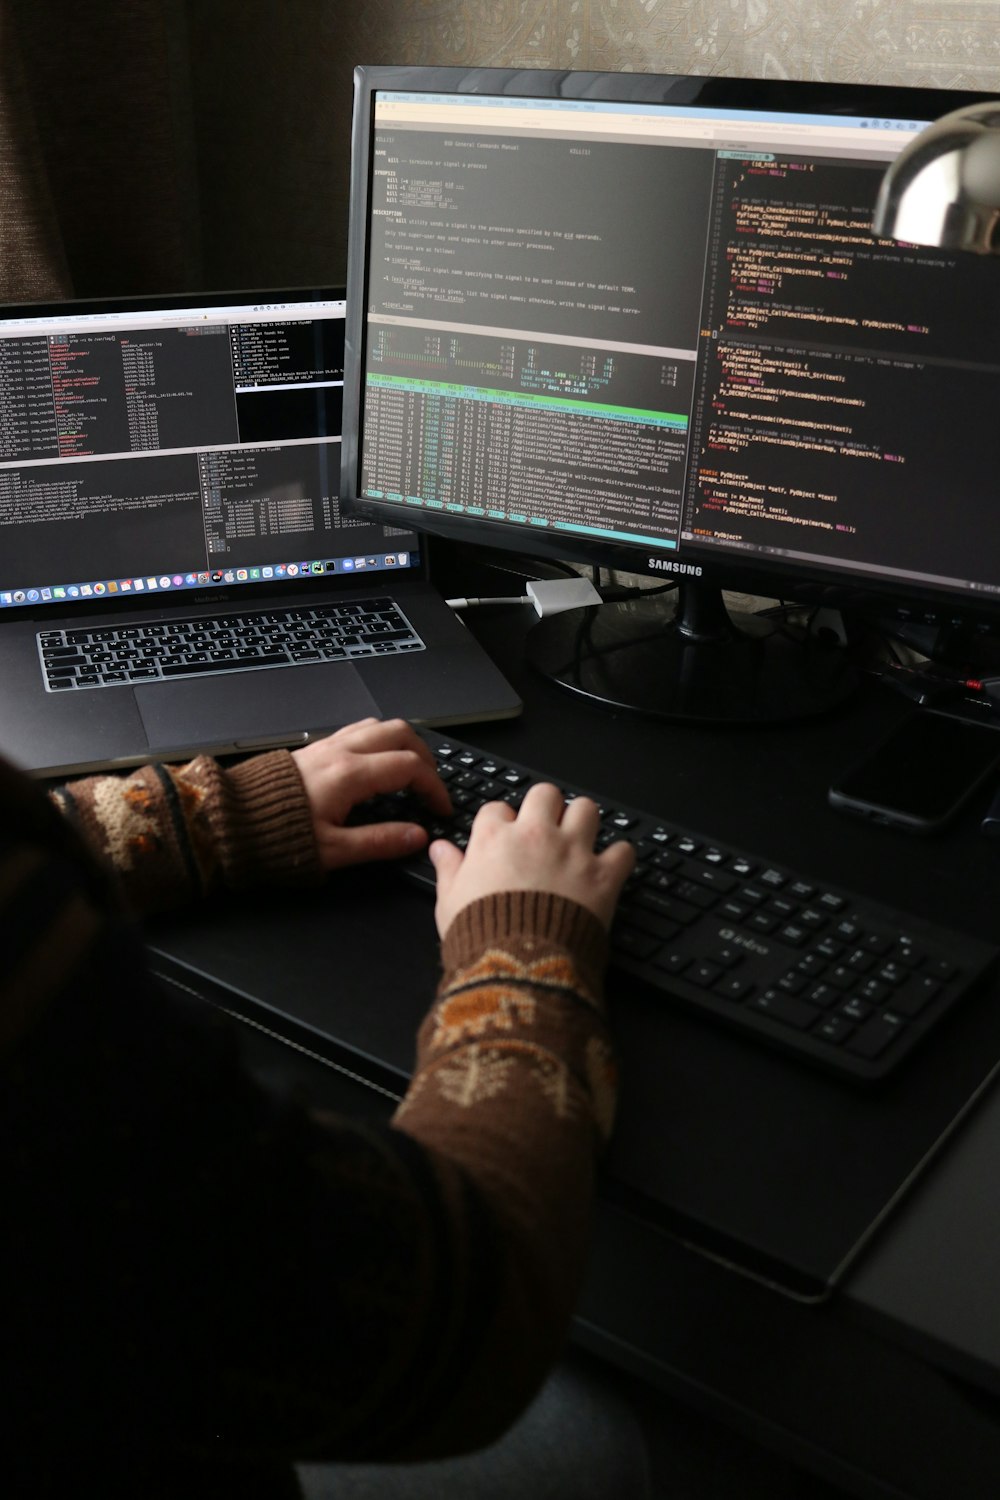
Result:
pixel 201 1282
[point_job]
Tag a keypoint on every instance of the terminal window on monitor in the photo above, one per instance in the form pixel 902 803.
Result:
pixel 643 322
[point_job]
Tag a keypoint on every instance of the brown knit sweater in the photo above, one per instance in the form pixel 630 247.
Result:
pixel 216 1276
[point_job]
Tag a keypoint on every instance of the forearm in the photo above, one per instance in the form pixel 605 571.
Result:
pixel 173 833
pixel 513 1097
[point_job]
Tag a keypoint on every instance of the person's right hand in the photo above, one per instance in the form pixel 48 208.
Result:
pixel 547 846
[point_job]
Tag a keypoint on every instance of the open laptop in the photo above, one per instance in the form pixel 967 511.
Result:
pixel 169 474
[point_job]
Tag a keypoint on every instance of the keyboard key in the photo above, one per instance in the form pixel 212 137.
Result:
pixel 752 895
pixel 716 880
pixel 689 890
pixel 193 669
pixel 664 928
pixel 672 962
pixel 835 1029
pixel 761 921
pixel 634 941
pixel 786 1008
pixel 726 956
pixel 831 902
pixel 733 987
pixel 714 856
pixel 811 964
pixel 875 1036
pixel 824 995
pixel 654 901
pixel 915 994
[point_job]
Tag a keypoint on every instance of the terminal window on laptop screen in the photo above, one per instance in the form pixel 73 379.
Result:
pixel 153 447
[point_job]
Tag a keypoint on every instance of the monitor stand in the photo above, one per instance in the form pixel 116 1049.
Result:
pixel 698 662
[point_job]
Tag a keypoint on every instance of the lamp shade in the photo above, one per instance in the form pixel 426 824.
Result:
pixel 944 187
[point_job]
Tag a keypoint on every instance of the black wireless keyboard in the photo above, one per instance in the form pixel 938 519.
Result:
pixel 834 977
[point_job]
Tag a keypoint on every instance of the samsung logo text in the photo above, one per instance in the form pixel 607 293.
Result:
pixel 663 565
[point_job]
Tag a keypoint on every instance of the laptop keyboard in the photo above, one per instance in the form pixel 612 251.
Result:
pixel 832 977
pixel 154 651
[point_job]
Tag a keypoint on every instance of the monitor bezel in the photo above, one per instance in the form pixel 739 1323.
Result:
pixel 797 579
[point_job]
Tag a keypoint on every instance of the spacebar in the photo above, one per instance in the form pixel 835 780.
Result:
pixel 180 669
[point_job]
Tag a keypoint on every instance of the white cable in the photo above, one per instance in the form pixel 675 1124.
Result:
pixel 471 603
pixel 549 596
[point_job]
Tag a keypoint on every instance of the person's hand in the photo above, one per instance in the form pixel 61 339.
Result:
pixel 547 846
pixel 363 760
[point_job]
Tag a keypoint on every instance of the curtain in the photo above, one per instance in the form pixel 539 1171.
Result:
pixel 98 181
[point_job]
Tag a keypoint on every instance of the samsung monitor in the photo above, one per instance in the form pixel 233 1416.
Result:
pixel 642 322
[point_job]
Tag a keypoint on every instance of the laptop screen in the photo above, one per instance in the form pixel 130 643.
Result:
pixel 164 445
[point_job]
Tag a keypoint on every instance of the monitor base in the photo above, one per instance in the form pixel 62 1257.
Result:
pixel 700 663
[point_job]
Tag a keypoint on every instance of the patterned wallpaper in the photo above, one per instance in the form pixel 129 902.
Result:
pixel 247 119
pixel 284 140
pixel 947 43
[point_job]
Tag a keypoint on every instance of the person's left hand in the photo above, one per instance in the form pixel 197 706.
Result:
pixel 363 760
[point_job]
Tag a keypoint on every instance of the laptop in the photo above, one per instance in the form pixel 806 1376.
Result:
pixel 169 472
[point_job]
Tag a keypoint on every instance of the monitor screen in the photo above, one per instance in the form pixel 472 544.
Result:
pixel 643 322
pixel 170 444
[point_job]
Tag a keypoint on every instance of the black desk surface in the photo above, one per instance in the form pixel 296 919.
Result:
pixel 923 1278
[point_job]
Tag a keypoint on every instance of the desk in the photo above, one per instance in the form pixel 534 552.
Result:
pixel 887 1388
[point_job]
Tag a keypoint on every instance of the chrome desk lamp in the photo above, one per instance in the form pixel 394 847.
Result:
pixel 944 188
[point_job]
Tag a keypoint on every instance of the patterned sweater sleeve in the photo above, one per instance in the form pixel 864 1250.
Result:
pixel 513 1097
pixel 174 833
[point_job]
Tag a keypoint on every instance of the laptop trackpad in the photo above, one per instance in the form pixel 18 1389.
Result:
pixel 241 708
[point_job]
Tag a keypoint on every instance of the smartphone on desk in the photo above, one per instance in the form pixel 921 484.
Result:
pixel 921 774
